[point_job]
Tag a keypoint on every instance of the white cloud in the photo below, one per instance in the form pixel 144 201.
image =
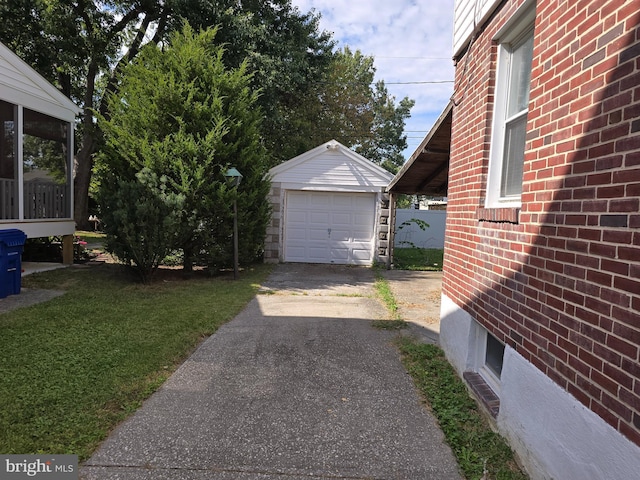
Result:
pixel 410 40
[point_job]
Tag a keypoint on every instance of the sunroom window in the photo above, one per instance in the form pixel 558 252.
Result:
pixel 35 163
pixel 45 166
pixel 8 162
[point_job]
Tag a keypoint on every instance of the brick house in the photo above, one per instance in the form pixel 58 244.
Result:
pixel 541 288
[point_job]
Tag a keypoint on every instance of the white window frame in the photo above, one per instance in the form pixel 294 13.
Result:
pixel 479 358
pixel 513 32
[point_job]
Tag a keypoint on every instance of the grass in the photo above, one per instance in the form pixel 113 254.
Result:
pixel 385 294
pixel 480 452
pixel 418 258
pixel 93 237
pixel 74 367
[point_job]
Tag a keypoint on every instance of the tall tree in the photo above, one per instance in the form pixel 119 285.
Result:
pixel 387 140
pixel 179 120
pixel 347 105
pixel 282 46
pixel 82 45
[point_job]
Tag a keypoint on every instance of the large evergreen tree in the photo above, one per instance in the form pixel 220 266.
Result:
pixel 179 120
pixel 82 46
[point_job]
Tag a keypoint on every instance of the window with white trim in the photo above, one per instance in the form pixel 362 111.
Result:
pixel 515 56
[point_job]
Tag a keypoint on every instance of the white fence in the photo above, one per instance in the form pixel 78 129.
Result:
pixel 410 234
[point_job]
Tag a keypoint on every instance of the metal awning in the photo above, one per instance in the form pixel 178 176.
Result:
pixel 427 170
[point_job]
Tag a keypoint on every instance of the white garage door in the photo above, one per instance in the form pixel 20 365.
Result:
pixel 327 227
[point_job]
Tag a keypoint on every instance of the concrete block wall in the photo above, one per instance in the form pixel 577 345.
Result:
pixel 274 229
pixel 383 229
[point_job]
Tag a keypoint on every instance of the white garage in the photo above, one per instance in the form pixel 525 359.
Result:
pixel 328 207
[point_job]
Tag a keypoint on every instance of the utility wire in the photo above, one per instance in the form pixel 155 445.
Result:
pixel 418 83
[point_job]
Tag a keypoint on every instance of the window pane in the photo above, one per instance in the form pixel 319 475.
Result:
pixel 495 355
pixel 520 76
pixel 514 143
pixel 46 164
pixel 8 168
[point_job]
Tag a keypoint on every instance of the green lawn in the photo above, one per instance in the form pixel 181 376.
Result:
pixel 91 237
pixel 418 258
pixel 73 367
pixel 481 452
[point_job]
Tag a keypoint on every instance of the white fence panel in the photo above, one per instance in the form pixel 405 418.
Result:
pixel 411 235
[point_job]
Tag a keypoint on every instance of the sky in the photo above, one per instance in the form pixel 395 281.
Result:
pixel 411 42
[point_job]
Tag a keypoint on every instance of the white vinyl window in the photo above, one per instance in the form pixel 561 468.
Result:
pixel 510 113
pixel 487 356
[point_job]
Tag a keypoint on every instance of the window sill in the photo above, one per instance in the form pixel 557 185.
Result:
pixel 499 215
pixel 484 392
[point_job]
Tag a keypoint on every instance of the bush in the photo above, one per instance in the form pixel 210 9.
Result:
pixel 141 220
pixel 181 115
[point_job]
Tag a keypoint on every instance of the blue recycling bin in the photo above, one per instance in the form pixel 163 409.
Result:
pixel 11 247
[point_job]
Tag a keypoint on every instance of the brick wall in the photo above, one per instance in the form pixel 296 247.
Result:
pixel 559 279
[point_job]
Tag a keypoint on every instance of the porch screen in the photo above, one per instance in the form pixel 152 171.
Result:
pixel 8 166
pixel 46 161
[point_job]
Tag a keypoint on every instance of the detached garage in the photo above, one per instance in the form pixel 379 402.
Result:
pixel 328 207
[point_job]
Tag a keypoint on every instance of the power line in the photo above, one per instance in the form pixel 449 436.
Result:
pixel 413 58
pixel 418 83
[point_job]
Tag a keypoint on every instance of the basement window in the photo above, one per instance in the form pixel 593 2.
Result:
pixel 484 379
pixel 494 355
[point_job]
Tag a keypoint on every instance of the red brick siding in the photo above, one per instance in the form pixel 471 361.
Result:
pixel 559 280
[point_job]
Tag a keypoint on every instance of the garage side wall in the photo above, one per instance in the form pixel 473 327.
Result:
pixel 383 230
pixel 272 253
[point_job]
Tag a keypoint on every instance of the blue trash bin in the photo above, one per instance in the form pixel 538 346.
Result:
pixel 11 247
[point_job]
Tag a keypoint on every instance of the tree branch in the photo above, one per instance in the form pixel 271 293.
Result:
pixel 133 50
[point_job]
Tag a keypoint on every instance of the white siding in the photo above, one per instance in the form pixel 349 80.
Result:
pixel 331 169
pixel 467 15
pixel 20 84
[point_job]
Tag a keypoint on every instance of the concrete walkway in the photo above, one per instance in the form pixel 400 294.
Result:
pixel 417 295
pixel 297 386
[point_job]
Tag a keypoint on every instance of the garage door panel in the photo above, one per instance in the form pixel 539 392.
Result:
pixel 341 219
pixel 362 202
pixel 340 235
pixel 329 227
pixel 361 256
pixel 318 200
pixel 340 254
pixel 298 235
pixel 343 200
pixel 317 255
pixel 362 237
pixel 361 221
pixel 318 234
pixel 319 218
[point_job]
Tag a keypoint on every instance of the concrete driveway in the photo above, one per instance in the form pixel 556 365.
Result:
pixel 298 386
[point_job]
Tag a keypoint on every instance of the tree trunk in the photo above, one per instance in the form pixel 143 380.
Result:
pixel 84 157
pixel 82 180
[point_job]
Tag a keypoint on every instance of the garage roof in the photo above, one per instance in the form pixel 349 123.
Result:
pixel 427 170
pixel 331 167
